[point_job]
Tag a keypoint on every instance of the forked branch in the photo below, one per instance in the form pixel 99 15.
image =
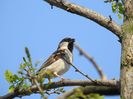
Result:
pixel 97 67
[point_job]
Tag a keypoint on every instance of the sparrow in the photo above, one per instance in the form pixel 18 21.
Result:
pixel 59 62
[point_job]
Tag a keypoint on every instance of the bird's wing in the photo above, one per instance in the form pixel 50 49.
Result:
pixel 54 57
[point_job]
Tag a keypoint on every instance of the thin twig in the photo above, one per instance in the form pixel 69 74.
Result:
pixel 85 75
pixel 35 82
pixel 97 67
pixel 77 70
pixel 40 89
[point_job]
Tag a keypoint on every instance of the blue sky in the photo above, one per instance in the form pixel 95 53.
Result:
pixel 34 24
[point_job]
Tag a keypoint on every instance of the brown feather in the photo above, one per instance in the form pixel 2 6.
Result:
pixel 54 57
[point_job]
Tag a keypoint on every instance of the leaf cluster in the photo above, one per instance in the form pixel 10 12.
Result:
pixel 20 81
pixel 25 78
pixel 117 7
pixel 78 94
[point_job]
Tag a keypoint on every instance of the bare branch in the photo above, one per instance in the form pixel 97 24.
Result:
pixel 77 70
pixel 109 91
pixel 99 70
pixel 34 89
pixel 85 75
pixel 87 13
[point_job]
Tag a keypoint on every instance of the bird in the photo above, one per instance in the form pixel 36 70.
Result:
pixel 59 62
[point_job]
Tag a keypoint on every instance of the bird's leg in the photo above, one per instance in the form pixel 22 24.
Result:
pixel 55 74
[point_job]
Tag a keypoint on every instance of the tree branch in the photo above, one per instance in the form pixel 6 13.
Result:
pixel 34 89
pixel 87 13
pixel 99 70
pixel 77 70
pixel 103 90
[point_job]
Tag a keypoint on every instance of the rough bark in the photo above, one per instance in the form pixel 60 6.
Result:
pixel 34 89
pixel 102 90
pixel 127 52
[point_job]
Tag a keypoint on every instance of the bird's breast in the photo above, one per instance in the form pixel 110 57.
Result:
pixel 60 67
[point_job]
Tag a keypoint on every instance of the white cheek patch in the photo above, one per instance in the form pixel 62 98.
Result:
pixel 63 45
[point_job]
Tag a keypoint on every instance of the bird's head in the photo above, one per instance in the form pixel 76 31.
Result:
pixel 67 43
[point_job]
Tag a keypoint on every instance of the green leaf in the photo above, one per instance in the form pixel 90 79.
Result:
pixel 48 86
pixel 114 7
pixel 61 90
pixel 8 76
pixel 95 96
pixel 28 54
pixel 119 16
pixel 22 66
pixel 25 86
pixel 11 78
pixel 120 8
pixel 32 69
pixel 15 77
pixel 41 80
pixel 11 88
pixel 28 63
pixel 24 59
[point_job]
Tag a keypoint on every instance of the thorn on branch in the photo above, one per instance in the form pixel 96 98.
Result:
pixel 120 40
pixel 110 19
pixel 52 6
pixel 76 70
